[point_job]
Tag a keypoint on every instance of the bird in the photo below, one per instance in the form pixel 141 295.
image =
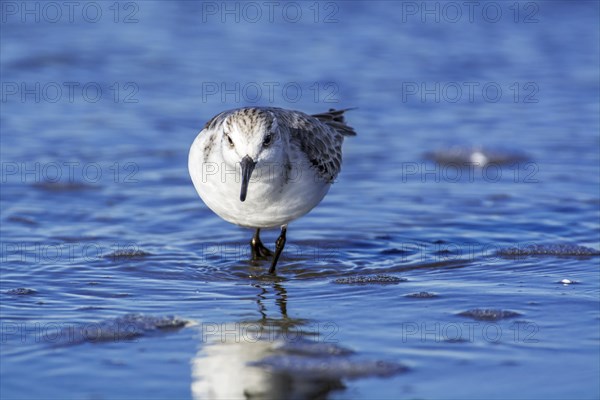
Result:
pixel 263 167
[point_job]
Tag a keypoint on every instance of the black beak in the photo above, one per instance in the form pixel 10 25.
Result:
pixel 247 167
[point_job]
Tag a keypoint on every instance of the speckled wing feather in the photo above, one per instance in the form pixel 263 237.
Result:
pixel 335 119
pixel 319 136
pixel 210 126
pixel 217 119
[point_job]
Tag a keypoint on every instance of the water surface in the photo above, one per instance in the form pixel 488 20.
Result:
pixel 412 279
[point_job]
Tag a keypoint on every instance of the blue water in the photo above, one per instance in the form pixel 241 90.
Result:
pixel 412 279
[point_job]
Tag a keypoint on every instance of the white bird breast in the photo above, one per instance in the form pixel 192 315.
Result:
pixel 271 201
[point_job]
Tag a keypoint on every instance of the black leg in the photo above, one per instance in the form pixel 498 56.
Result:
pixel 279 245
pixel 259 251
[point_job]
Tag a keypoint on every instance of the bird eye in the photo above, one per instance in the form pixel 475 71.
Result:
pixel 267 140
pixel 229 140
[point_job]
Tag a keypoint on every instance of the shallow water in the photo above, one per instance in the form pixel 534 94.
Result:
pixel 410 280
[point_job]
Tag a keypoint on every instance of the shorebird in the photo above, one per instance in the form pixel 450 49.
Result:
pixel 263 167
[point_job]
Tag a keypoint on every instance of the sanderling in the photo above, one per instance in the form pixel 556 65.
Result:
pixel 262 167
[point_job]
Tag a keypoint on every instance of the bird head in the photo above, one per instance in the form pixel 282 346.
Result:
pixel 251 139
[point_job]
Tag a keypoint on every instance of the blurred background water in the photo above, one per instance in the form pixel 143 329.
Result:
pixel 456 256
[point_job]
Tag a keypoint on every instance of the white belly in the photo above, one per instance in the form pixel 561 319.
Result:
pixel 269 202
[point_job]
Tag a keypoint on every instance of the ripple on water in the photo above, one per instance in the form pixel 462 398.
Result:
pixel 330 367
pixel 127 254
pixel 318 349
pixel 560 249
pixel 21 291
pixel 129 326
pixel 422 295
pixel 22 220
pixel 566 282
pixel 479 157
pixel 379 279
pixel 393 251
pixel 488 314
pixel 64 186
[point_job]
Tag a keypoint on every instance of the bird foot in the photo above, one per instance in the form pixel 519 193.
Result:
pixel 258 249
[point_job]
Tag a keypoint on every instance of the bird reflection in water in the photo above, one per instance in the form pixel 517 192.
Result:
pixel 262 359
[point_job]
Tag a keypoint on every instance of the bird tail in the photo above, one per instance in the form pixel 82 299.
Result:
pixel 335 119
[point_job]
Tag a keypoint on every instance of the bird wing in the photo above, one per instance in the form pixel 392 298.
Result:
pixel 319 137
